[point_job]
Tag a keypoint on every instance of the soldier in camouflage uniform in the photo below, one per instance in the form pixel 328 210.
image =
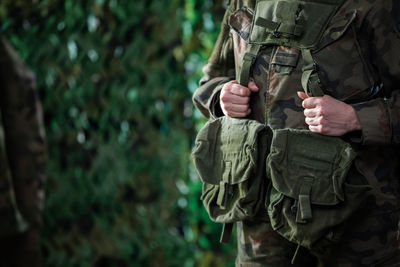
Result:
pixel 358 61
pixel 22 162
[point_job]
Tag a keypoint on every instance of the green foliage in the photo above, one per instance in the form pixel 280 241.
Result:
pixel 116 79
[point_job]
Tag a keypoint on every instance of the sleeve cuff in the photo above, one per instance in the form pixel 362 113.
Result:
pixel 375 121
pixel 214 106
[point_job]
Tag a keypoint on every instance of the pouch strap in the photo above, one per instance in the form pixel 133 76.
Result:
pixel 224 190
pixel 304 212
pixel 226 233
pixel 248 59
pixel 278 28
pixel 310 80
pixel 337 189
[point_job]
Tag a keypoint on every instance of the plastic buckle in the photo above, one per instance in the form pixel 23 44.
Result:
pixel 276 33
pixel 315 66
pixel 249 57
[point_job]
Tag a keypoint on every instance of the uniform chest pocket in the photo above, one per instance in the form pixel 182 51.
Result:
pixel 285 59
pixel 342 67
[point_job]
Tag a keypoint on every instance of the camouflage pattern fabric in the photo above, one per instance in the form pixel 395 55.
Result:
pixel 22 161
pixel 358 63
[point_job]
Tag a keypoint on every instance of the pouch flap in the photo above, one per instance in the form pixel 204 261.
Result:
pixel 286 56
pixel 291 23
pixel 299 155
pixel 240 22
pixel 336 29
pixel 227 143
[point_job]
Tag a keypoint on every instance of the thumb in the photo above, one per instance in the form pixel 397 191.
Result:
pixel 253 87
pixel 302 95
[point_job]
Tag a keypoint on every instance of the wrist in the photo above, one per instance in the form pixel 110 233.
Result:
pixel 355 121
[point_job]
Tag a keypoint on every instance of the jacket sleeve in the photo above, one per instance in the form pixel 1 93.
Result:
pixel 218 70
pixel 24 132
pixel 380 117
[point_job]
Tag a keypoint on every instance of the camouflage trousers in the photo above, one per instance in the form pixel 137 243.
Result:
pixel 371 239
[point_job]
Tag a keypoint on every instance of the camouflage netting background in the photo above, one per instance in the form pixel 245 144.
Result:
pixel 115 78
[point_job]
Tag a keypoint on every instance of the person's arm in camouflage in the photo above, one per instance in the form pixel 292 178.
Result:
pixel 380 118
pixel 218 70
pixel 24 132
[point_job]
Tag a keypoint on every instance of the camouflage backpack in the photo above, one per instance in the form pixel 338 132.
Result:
pixel 314 185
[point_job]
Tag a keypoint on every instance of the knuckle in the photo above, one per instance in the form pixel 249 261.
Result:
pixel 226 87
pixel 320 111
pixel 223 106
pixel 323 101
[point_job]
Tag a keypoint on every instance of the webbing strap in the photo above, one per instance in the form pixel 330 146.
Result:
pixel 279 28
pixel 248 59
pixel 337 189
pixel 223 193
pixel 296 253
pixel 310 80
pixel 226 233
pixel 304 211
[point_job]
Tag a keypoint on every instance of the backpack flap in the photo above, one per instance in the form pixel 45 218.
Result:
pixel 291 23
pixel 314 187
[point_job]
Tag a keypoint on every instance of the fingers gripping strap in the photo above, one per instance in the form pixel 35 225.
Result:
pixel 304 210
pixel 310 80
pixel 248 59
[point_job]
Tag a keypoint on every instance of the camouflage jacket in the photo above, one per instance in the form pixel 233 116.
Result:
pixel 22 145
pixel 358 62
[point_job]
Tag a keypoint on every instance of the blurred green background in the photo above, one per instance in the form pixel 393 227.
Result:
pixel 116 78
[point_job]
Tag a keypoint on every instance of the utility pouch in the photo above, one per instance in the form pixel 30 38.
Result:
pixel 230 159
pixel 314 187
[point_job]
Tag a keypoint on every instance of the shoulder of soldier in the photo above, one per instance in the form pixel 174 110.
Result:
pixel 386 12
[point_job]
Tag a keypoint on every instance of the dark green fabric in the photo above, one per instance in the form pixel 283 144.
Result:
pixel 248 60
pixel 312 193
pixel 278 28
pixel 310 80
pixel 230 159
pixel 297 24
